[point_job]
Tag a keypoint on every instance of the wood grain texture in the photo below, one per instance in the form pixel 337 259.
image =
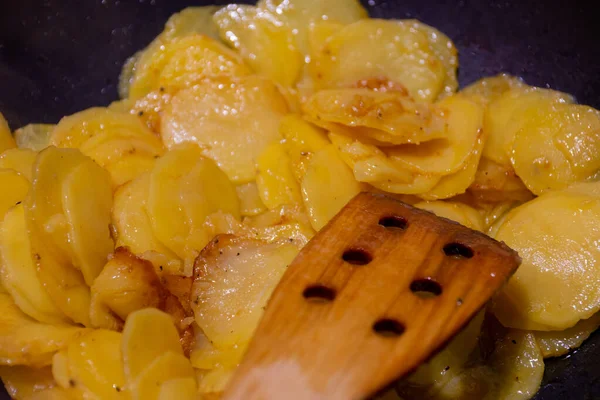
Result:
pixel 330 349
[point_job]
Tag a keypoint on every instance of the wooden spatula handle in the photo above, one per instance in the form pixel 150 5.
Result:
pixel 376 292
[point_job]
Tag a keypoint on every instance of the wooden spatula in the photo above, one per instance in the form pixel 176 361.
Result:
pixel 375 293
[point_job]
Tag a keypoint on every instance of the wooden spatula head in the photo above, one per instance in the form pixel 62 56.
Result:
pixel 375 293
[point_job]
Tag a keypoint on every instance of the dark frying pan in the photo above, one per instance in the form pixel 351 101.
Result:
pixel 61 56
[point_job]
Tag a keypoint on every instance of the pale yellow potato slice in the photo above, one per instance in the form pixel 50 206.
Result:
pixel 164 368
pixel 24 341
pixel 185 188
pixel 15 188
pixel 507 114
pixel 493 212
pixel 20 160
pixel 178 388
pixel 556 235
pixel 498 183
pixel 275 179
pixel 459 212
pixel 148 334
pixel 405 57
pixel 35 137
pixel 267 45
pixel 391 118
pixel 300 15
pixel 108 147
pixel 87 203
pixel 75 130
pixel 129 168
pixel 327 186
pixel 301 140
pixel 192 20
pixel 95 364
pixel 487 90
pixel 7 141
pixel 233 120
pixel 559 145
pixel 19 273
pixel 214 382
pixel 234 277
pixel 558 343
pixel 182 61
pixel 464 119
pixel 23 382
pixel 250 201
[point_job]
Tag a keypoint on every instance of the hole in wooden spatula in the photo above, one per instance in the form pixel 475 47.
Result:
pixel 393 221
pixel 357 257
pixel 319 294
pixel 458 250
pixel 388 327
pixel 426 288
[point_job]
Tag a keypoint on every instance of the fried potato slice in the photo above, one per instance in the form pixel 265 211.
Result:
pixel 24 341
pixel 390 118
pixel 215 114
pixel 250 201
pixel 300 15
pixel 235 276
pixel 6 138
pixel 35 137
pixel 275 179
pixel 559 343
pixel 267 45
pixel 148 334
pixel 498 183
pixel 327 186
pixel 18 270
pixel 15 188
pixel 164 368
pixel 23 382
pixel 506 115
pixel 178 388
pixel 559 145
pixel 407 58
pixel 552 290
pixel 185 188
pixel 20 160
pixel 486 90
pixel 459 212
pixel 192 20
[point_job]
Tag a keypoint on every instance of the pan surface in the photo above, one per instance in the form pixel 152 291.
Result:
pixel 61 56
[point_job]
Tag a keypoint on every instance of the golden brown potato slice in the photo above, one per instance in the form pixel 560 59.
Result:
pixel 233 279
pixel 232 119
pixel 498 183
pixel 24 341
pixel 35 137
pixel 20 160
pixel 406 58
pixel 6 138
pixel 391 117
pixel 558 343
pixel 275 179
pixel 19 273
pixel 558 145
pixel 267 45
pixel 556 285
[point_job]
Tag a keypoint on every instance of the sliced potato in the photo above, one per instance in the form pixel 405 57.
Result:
pixel 274 178
pixel 148 334
pixel 164 368
pixel 300 15
pixel 214 382
pixel 6 138
pixel 302 139
pixel 390 118
pixel 24 341
pixel 178 388
pixel 498 183
pixel 459 212
pixel 267 45
pixel 129 168
pixel 192 20
pixel 215 114
pixel 558 343
pixel 487 90
pixel 185 188
pixel 87 209
pixel 35 137
pixel 20 160
pixel 559 145
pixel 506 115
pixel 19 274
pixel 96 366
pixel 556 235
pixel 234 276
pixel 15 188
pixel 327 186
pixel 27 383
pixel 406 58
pixel 250 201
